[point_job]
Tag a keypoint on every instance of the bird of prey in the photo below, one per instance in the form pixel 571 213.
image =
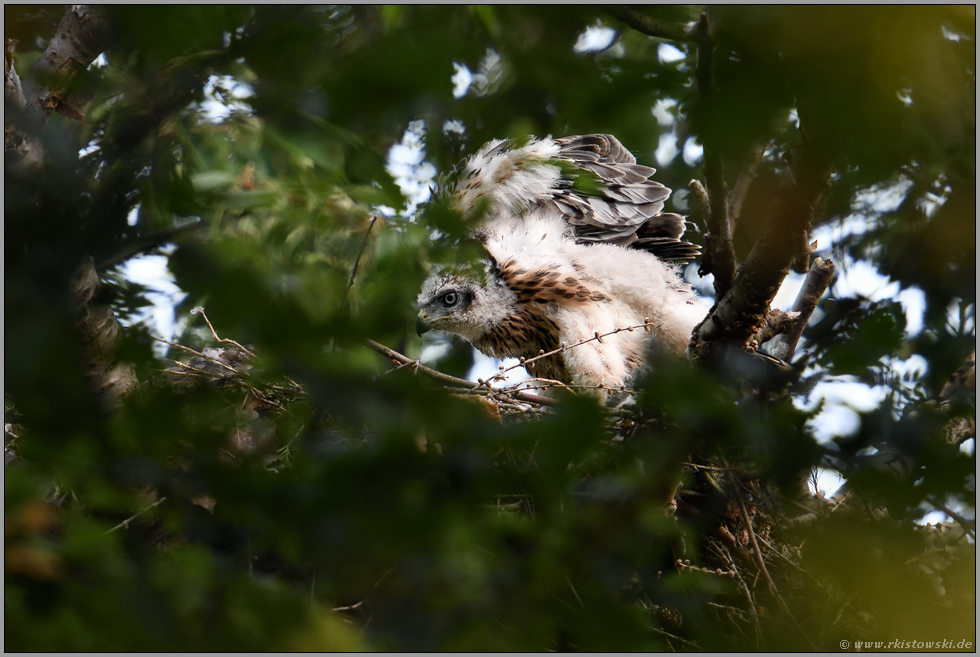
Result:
pixel 576 246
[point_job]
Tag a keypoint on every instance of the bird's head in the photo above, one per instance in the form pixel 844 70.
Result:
pixel 446 303
pixel 461 305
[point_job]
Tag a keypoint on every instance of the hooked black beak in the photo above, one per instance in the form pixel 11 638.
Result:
pixel 422 324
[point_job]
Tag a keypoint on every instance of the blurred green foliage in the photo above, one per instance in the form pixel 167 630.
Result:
pixel 429 524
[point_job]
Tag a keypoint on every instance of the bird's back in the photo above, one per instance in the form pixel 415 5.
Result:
pixel 593 183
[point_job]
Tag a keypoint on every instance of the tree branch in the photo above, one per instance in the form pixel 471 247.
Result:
pixel 719 257
pixel 101 333
pixel 816 283
pixel 125 523
pixel 150 242
pixel 743 183
pixel 651 26
pixel 765 571
pixel 82 35
pixel 452 380
pixel 744 308
pixel 357 262
pixel 419 367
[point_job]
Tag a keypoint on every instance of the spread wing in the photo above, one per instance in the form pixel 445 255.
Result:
pixel 626 209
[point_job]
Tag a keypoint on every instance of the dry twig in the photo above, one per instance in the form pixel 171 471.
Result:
pixel 357 262
pixel 762 565
pixel 125 523
pixel 200 309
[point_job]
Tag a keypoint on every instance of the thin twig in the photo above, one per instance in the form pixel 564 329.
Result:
pixel 383 577
pixel 200 309
pixel 357 262
pixel 413 364
pixel 669 636
pixel 125 523
pixel 416 365
pixel 575 592
pixel 405 361
pixel 193 370
pixel 748 595
pixel 456 383
pixel 762 565
pixel 968 527
pixel 197 353
pixel 647 325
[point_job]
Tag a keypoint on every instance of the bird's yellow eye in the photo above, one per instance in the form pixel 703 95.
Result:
pixel 450 298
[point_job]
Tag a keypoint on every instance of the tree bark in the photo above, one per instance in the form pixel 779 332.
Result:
pixel 742 312
pixel 83 33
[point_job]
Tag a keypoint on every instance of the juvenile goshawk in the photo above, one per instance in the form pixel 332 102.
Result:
pixel 569 256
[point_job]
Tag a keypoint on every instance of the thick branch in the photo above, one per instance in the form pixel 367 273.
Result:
pixel 744 308
pixel 719 258
pixel 816 283
pixel 81 37
pixel 101 333
pixel 651 26
pixel 743 183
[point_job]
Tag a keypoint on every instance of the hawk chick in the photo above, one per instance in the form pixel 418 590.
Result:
pixel 564 264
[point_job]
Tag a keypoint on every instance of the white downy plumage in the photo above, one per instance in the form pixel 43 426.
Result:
pixel 566 264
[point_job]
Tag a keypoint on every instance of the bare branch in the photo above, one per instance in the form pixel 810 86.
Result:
pixel 102 334
pixel 653 27
pixel 200 309
pixel 417 366
pixel 778 322
pixel 765 571
pixel 816 283
pixel 82 35
pixel 452 380
pixel 968 526
pixel 125 523
pixel 719 257
pixel 743 183
pixel 647 325
pixel 743 310
pixel 357 262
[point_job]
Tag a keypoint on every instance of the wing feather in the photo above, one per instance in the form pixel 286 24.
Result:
pixel 629 210
pixel 626 209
